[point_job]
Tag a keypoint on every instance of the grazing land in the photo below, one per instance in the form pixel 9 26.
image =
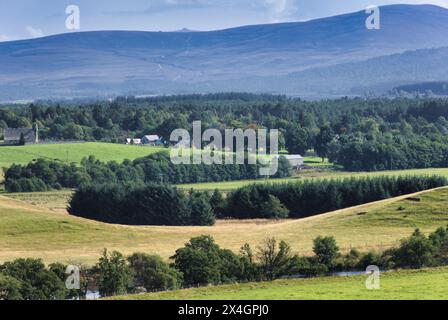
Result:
pixel 28 230
pixel 395 285
pixel 313 174
pixel 73 152
pixel 56 201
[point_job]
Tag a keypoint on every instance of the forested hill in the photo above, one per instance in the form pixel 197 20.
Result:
pixel 436 88
pixel 248 58
pixel 358 134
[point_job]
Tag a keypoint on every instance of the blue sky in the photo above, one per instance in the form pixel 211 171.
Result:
pixel 20 19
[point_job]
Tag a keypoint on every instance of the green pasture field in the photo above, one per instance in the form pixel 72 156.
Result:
pixel 395 285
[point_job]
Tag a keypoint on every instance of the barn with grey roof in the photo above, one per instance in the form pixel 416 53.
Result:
pixel 30 135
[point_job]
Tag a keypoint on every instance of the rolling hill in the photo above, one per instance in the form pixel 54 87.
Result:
pixel 32 231
pixel 250 58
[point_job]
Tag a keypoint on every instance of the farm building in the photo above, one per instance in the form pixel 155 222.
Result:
pixel 134 141
pixel 152 140
pixel 30 135
pixel 295 160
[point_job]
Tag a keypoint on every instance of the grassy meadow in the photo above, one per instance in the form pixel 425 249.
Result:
pixel 36 228
pixel 56 201
pixel 73 152
pixel 313 174
pixel 395 285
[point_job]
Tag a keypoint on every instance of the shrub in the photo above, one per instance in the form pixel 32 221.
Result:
pixel 415 252
pixel 348 261
pixel 326 250
pixel 202 262
pixel 115 276
pixel 370 259
pixel 308 267
pixel 26 185
pixel 152 273
pixel 36 282
pixel 274 261
pixel 9 288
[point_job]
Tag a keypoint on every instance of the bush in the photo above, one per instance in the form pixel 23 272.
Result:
pixel 326 250
pixel 349 261
pixel 273 208
pixel 36 281
pixel 414 252
pixel 202 262
pixel 26 185
pixel 370 259
pixel 152 273
pixel 115 276
pixel 9 288
pixel 308 267
pixel 274 261
pixel 254 203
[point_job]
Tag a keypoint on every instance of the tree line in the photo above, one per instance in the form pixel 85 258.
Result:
pixel 304 199
pixel 166 205
pixel 203 262
pixel 142 205
pixel 42 174
pixel 356 134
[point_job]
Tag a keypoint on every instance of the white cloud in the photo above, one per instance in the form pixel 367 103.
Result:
pixel 34 32
pixel 280 10
pixel 4 38
pixel 278 6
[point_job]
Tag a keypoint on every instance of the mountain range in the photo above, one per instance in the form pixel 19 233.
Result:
pixel 324 57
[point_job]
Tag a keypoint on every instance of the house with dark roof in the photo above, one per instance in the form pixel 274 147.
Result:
pixel 30 135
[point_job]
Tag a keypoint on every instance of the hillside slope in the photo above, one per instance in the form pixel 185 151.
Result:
pixel 30 231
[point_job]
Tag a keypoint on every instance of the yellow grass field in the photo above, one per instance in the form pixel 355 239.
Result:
pixel 28 230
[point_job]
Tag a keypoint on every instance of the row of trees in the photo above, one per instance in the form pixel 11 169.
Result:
pixel 357 134
pixel 202 262
pixel 153 204
pixel 42 174
pixel 298 200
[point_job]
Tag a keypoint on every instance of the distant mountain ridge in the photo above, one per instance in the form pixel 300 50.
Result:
pixel 286 58
pixel 436 88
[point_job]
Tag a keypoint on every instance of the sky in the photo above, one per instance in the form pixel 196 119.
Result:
pixel 24 19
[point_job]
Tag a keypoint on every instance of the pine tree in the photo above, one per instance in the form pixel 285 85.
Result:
pixel 22 139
